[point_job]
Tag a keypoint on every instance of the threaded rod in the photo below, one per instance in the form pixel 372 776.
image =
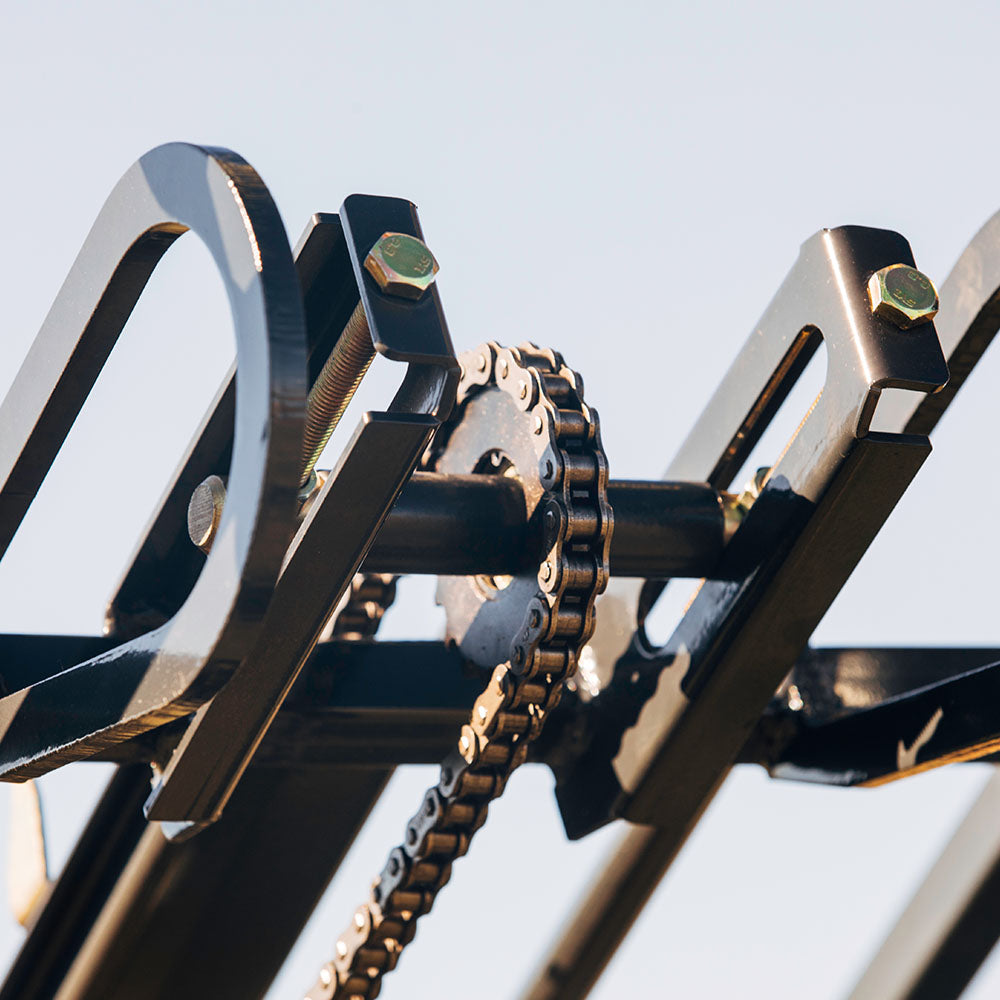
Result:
pixel 335 387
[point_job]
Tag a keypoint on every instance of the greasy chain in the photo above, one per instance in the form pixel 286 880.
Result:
pixel 510 713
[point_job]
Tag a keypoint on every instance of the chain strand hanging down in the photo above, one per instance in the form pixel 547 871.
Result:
pixel 370 596
pixel 510 713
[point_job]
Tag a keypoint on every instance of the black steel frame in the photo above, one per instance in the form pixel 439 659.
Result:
pixel 212 670
pixel 966 324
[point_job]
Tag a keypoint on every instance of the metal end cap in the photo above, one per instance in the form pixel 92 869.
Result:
pixel 205 512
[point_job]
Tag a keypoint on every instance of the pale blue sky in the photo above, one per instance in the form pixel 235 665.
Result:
pixel 628 184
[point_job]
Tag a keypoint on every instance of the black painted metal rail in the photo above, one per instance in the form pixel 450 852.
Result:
pixel 465 525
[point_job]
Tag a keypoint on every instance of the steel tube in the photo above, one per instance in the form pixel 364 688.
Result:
pixel 466 525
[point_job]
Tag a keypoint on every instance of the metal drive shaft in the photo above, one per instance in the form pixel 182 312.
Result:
pixel 471 525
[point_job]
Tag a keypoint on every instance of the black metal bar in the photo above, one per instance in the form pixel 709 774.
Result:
pixel 100 855
pixel 165 566
pixel 373 704
pixel 324 556
pixel 675 719
pixel 603 916
pixel 952 922
pixel 956 938
pixel 216 916
pixel 835 681
pixel 28 659
pixel 466 525
pixel 388 703
pixel 856 716
pixel 666 529
pixel 455 525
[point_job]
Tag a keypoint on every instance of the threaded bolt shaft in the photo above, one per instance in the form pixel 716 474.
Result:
pixel 334 387
pixel 327 400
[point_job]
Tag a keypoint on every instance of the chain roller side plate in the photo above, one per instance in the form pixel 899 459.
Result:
pixel 554 619
pixel 370 596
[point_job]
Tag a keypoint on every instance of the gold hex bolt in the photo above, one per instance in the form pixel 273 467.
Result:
pixel 401 265
pixel 903 295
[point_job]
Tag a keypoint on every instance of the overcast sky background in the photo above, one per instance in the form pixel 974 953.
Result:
pixel 629 186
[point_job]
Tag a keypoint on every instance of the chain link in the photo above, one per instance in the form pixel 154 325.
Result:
pixel 370 596
pixel 521 693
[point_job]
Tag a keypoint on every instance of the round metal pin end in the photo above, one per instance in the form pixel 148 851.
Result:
pixel 903 295
pixel 205 512
pixel 401 265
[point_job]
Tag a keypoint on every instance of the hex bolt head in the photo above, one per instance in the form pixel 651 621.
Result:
pixel 903 295
pixel 401 265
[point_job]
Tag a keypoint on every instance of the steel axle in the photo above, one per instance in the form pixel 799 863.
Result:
pixel 467 525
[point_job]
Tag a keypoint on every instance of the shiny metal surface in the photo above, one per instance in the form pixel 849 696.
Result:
pixel 676 717
pixel 953 939
pixel 652 744
pixel 864 717
pixel 950 925
pixel 169 671
pixel 204 513
pixel 333 538
pixel 401 265
pixel 902 295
